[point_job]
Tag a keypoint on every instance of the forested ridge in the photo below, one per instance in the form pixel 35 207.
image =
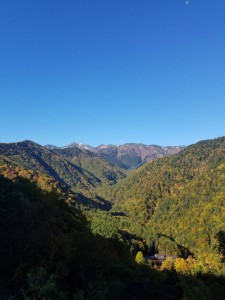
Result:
pixel 79 170
pixel 87 160
pixel 181 197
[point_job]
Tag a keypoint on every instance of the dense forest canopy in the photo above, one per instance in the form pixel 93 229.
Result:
pixel 181 196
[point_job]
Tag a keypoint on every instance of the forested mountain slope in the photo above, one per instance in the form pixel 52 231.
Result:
pixel 105 171
pixel 12 170
pixel 61 165
pixel 47 251
pixel 181 197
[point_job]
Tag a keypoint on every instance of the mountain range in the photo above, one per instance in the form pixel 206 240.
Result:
pixel 60 164
pixel 128 207
pixel 126 156
pixel 81 169
pixel 163 194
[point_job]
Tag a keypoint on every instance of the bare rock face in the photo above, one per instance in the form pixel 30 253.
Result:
pixel 129 156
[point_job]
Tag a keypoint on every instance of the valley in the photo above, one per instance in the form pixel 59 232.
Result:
pixel 133 200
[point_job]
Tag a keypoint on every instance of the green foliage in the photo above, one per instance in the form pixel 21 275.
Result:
pixel 41 236
pixel 39 229
pixel 11 171
pixel 40 285
pixel 102 223
pixel 101 169
pixel 178 199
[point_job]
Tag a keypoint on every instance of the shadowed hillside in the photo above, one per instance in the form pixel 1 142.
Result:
pixel 48 251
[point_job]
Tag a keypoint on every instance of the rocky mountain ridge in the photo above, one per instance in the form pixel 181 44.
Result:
pixel 126 156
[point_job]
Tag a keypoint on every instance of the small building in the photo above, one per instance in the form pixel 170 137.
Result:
pixel 159 258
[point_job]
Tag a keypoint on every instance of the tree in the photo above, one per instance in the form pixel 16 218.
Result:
pixel 181 265
pixel 40 285
pixel 140 258
pixel 168 264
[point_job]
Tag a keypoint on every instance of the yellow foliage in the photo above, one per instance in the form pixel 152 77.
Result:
pixel 181 265
pixel 168 264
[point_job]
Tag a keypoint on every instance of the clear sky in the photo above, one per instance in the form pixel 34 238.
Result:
pixel 111 72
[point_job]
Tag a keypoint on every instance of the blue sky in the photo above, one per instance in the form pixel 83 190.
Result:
pixel 150 71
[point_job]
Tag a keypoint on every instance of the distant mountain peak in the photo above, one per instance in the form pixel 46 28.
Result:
pixel 25 142
pixel 78 145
